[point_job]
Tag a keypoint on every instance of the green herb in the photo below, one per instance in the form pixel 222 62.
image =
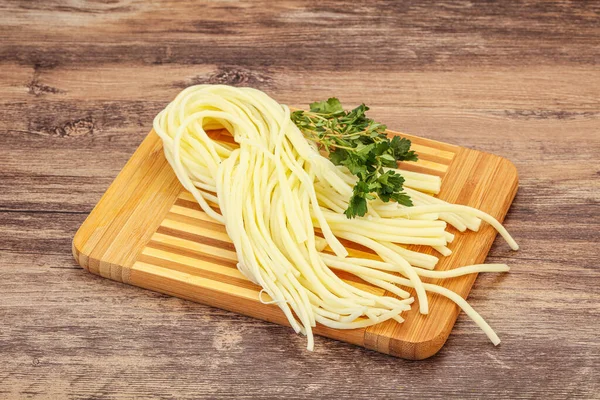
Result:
pixel 361 145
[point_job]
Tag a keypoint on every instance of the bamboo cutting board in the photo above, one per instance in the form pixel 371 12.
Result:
pixel 148 231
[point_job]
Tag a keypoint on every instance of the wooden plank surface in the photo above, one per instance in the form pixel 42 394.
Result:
pixel 81 82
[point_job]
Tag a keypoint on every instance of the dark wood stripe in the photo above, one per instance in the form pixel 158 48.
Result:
pixel 196 238
pixel 188 204
pixel 198 271
pixel 193 205
pixel 186 219
pixel 184 251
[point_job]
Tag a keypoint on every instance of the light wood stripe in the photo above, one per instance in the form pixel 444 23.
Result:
pixel 192 213
pixel 433 154
pixel 437 170
pixel 195 267
pixel 195 230
pixel 226 288
pixel 191 245
pixel 199 257
pixel 207 223
pixel 430 166
pixel 177 257
pixel 185 195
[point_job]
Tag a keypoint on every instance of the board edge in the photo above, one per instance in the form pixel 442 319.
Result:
pixel 118 269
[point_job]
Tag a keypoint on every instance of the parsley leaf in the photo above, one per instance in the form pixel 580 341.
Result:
pixel 361 145
pixel 401 149
pixel 331 106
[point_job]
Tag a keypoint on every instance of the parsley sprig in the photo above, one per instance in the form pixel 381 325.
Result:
pixel 360 144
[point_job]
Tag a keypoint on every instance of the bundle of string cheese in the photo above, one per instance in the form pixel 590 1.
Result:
pixel 274 188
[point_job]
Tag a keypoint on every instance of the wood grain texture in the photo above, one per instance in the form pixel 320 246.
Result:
pixel 149 232
pixel 81 82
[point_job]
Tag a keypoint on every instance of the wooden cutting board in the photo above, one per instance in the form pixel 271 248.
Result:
pixel 148 231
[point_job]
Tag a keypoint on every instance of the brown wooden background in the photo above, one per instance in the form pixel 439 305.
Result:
pixel 81 81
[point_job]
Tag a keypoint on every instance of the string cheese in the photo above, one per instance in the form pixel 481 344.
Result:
pixel 282 203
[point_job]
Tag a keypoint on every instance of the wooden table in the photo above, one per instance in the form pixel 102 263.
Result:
pixel 81 81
